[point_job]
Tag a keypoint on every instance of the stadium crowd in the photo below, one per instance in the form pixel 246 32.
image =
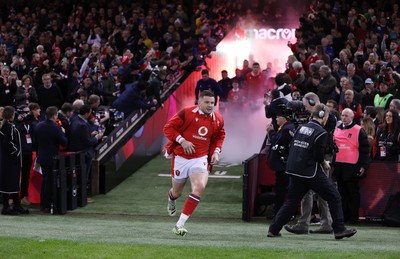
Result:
pixel 94 60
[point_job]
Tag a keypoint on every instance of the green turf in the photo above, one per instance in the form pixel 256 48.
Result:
pixel 28 248
pixel 145 193
pixel 131 222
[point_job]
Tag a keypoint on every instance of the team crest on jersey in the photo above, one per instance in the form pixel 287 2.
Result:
pixel 177 172
pixel 202 131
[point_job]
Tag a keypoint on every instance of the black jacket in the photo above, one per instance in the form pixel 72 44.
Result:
pixel 280 141
pixel 10 158
pixel 48 138
pixel 80 137
pixel 307 150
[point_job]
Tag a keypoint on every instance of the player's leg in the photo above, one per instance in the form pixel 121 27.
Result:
pixel 198 175
pixel 179 176
pixel 173 194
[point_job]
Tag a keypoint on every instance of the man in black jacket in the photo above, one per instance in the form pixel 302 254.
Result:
pixel 81 139
pixel 49 136
pixel 306 166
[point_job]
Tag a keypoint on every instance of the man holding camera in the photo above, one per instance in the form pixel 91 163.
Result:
pixel 306 167
pixel 280 140
pixel 310 100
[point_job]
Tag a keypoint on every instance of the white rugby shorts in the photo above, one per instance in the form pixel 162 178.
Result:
pixel 183 168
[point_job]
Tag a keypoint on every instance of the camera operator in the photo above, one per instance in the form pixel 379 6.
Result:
pixel 271 109
pixel 26 128
pixel 307 166
pixel 310 100
pixel 278 154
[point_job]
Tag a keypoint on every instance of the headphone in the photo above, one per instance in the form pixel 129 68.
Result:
pixel 310 101
pixel 321 113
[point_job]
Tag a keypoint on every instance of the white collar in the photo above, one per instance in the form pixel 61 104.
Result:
pixel 197 109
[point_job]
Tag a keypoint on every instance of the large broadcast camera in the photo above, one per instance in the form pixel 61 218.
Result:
pixel 296 112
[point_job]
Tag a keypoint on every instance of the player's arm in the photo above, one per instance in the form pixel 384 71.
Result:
pixel 171 128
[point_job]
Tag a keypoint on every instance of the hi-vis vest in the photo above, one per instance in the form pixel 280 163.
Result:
pixel 381 101
pixel 347 142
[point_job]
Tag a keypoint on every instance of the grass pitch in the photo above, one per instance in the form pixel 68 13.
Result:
pixel 131 222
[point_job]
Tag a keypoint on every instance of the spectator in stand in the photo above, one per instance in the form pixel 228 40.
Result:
pixel 156 86
pixel 368 71
pixel 298 76
pixel 323 56
pixel 49 136
pixel 383 97
pixel 134 99
pixel 327 84
pixel 111 84
pixel 368 93
pixel 345 84
pixel 312 56
pixel 26 93
pixel 369 127
pixel 371 112
pixel 394 63
pixel 351 73
pixel 311 86
pixel 395 105
pixel 207 83
pixel 8 87
pixel 201 23
pixel 387 140
pixel 49 94
pixel 353 105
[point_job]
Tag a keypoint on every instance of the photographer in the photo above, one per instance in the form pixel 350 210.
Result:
pixel 25 128
pixel 271 109
pixel 280 140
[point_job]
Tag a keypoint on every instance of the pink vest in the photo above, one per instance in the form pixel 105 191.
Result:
pixel 347 142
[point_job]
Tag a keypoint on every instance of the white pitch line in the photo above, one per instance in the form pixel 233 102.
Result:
pixel 211 176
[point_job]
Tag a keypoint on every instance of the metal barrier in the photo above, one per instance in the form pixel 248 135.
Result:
pixel 69 182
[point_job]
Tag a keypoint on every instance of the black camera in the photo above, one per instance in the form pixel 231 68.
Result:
pixel 296 112
pixel 282 151
pixel 21 113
